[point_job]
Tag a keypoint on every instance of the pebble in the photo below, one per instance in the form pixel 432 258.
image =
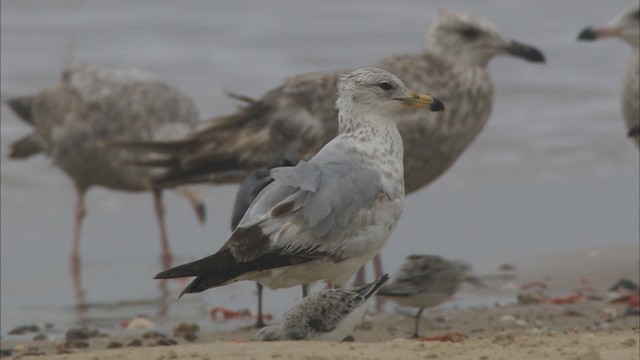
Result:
pixel 140 323
pixel 5 352
pixel 135 343
pixel 591 355
pixel 21 330
pixel 114 345
pixel 166 342
pixel 40 337
pixel 76 344
pixel 77 334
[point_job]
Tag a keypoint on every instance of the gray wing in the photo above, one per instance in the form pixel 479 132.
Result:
pixel 308 208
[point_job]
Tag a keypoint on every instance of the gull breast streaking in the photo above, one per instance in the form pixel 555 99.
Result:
pixel 329 315
pixel 625 26
pixel 325 218
pixel 93 104
pixel 426 281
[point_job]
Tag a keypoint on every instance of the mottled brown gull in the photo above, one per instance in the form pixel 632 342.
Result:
pixel 625 26
pixel 93 104
pixel 323 219
pixel 329 315
pixel 426 281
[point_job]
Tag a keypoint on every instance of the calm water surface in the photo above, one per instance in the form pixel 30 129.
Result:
pixel 551 172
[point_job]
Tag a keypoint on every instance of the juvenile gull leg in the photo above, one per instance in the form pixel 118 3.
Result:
pixel 164 240
pixel 80 213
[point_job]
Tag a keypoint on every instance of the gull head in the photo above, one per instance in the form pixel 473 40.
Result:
pixel 625 26
pixel 378 91
pixel 473 41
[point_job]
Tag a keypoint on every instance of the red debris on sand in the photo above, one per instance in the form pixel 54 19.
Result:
pixel 450 337
pixel 219 313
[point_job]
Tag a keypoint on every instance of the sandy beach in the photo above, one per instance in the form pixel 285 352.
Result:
pixel 586 330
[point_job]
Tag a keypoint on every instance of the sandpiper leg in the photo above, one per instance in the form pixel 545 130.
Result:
pixel 415 331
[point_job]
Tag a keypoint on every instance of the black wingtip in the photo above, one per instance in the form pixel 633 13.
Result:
pixel 587 34
pixel 437 105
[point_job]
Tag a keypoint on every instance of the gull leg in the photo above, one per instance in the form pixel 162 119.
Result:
pixel 159 206
pixel 259 322
pixel 80 213
pixel 360 278
pixel 377 272
pixel 415 331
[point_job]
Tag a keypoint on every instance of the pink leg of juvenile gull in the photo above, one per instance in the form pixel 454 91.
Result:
pixel 166 252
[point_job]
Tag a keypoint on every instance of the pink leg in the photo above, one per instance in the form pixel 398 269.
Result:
pixel 360 277
pixel 80 214
pixel 377 266
pixel 166 252
pixel 75 251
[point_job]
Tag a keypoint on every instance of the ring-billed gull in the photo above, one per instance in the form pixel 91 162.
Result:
pixel 625 26
pixel 323 219
pixel 426 281
pixel 92 104
pixel 329 315
pixel 299 115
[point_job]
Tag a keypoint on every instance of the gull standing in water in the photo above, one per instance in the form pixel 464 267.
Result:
pixel 329 315
pixel 299 115
pixel 91 105
pixel 325 218
pixel 625 26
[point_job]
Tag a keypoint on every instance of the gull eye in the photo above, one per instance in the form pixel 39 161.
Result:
pixel 470 33
pixel 385 86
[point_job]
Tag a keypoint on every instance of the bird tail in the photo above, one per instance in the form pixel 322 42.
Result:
pixel 21 106
pixel 26 146
pixel 371 288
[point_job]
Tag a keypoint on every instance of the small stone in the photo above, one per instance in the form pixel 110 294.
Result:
pixel 48 326
pixel 21 347
pixel 114 345
pixel 135 343
pixel 77 334
pixel 185 328
pixel 140 323
pixel 76 344
pixel 630 342
pixel 5 352
pixel 190 337
pixel 33 353
pixel 166 342
pixel 571 312
pixel 40 337
pixel 151 334
pixel 591 355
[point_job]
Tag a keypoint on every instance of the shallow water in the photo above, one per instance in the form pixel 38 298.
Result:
pixel 551 172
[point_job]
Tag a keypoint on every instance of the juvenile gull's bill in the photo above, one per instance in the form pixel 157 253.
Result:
pixel 329 315
pixel 426 281
pixel 93 104
pixel 323 219
pixel 625 26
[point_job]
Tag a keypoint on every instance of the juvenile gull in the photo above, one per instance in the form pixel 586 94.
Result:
pixel 625 26
pixel 323 219
pixel 329 315
pixel 299 115
pixel 91 104
pixel 426 281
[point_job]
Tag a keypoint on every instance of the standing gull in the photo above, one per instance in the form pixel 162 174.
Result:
pixel 299 115
pixel 93 104
pixel 625 26
pixel 426 281
pixel 323 219
pixel 329 315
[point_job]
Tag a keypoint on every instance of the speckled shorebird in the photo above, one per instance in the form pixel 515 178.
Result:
pixel 93 104
pixel 323 219
pixel 299 114
pixel 329 315
pixel 426 281
pixel 625 26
